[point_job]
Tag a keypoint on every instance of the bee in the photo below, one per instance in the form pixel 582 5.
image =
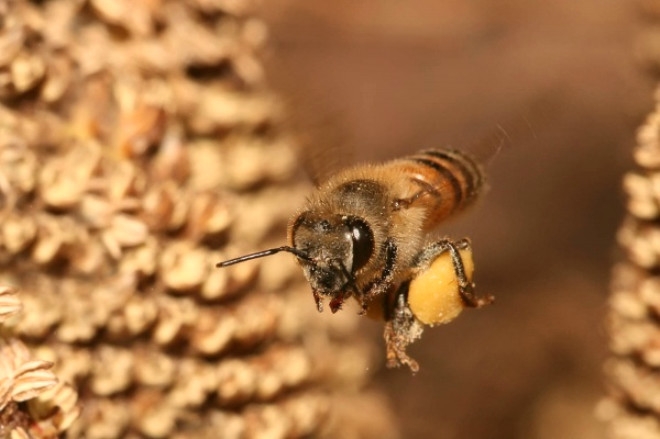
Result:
pixel 366 233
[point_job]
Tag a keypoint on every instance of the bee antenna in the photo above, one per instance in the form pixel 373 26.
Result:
pixel 263 253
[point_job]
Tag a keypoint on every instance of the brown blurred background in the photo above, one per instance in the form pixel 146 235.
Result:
pixel 561 80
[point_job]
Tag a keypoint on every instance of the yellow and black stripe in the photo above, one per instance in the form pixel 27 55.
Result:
pixel 461 166
pixel 451 178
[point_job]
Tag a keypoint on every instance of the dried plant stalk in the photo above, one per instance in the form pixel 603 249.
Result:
pixel 633 408
pixel 139 145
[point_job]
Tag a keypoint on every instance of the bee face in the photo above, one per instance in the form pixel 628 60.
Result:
pixel 336 248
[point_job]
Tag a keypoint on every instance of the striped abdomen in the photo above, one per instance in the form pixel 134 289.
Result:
pixel 448 181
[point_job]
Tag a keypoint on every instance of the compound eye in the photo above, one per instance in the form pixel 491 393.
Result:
pixel 363 242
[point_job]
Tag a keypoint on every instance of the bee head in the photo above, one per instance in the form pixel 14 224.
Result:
pixel 331 249
pixel 336 246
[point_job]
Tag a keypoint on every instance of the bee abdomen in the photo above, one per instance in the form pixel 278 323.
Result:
pixel 461 166
pixel 451 179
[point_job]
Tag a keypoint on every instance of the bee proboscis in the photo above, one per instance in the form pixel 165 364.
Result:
pixel 366 233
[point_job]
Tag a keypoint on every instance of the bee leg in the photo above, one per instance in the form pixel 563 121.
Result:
pixel 465 287
pixel 317 299
pixel 384 282
pixel 401 329
pixel 405 203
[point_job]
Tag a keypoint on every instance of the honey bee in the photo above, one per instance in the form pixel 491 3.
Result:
pixel 365 234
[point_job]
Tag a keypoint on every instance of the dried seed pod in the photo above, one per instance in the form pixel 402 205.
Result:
pixel 137 17
pixel 205 159
pixel 139 314
pixel 10 305
pixel 221 109
pixel 26 72
pixel 214 331
pixel 233 7
pixel 18 165
pixel 111 370
pixel 216 285
pixel 163 208
pixel 42 311
pixel 57 81
pixel 54 234
pixel 175 318
pixel 646 153
pixel 183 267
pixel 237 382
pixel 63 181
pixel 11 41
pixel 209 217
pixel 88 256
pixel 155 369
pixel 196 381
pixel 103 418
pixel 18 233
pixel 141 260
pixel 140 130
pixel 123 184
pixel 73 363
pixel 61 399
pixel 157 419
pixel 642 201
pixel 127 231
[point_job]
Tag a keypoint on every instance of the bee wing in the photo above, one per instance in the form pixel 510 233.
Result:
pixel 320 134
pixel 322 145
pixel 482 145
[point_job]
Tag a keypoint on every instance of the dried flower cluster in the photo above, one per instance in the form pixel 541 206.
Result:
pixel 139 146
pixel 633 409
pixel 49 405
pixel 647 44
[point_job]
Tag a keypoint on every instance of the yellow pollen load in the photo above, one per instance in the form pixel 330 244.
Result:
pixel 433 295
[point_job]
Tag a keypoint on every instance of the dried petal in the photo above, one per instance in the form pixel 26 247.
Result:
pixel 111 370
pixel 32 380
pixel 18 233
pixel 128 231
pixel 63 181
pixel 209 216
pixel 164 208
pixel 175 316
pixel 40 313
pixel 183 267
pixel 57 80
pixel 214 332
pixel 27 71
pixel 11 42
pixel 19 433
pixel 155 369
pixel 198 382
pixel 6 386
pixel 10 304
pixel 139 315
pixel 55 409
pixel 158 420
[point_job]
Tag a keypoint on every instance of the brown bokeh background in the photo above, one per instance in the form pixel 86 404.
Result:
pixel 562 81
